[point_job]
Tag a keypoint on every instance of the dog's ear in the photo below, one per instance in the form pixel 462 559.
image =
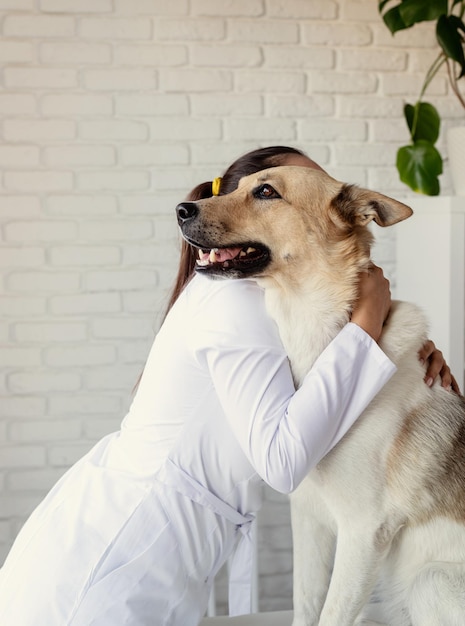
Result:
pixel 358 207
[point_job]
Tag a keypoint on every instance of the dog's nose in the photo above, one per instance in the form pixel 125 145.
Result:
pixel 186 211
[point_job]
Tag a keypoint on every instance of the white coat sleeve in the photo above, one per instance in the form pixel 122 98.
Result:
pixel 284 432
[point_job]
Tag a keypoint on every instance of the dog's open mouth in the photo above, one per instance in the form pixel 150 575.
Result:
pixel 236 260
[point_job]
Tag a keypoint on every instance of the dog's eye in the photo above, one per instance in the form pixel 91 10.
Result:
pixel 265 192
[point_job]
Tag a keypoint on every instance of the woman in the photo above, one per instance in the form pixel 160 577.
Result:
pixel 135 532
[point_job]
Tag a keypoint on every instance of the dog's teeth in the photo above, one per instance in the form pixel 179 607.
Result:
pixel 243 253
pixel 249 250
pixel 213 258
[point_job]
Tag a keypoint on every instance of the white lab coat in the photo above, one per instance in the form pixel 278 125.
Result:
pixel 135 532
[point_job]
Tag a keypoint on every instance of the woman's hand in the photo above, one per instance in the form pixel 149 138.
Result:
pixel 436 366
pixel 374 301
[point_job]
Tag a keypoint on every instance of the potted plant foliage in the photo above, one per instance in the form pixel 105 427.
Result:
pixel 419 163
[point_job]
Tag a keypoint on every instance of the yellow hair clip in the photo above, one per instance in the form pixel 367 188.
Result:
pixel 216 184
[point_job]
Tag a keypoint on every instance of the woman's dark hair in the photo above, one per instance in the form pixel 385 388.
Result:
pixel 249 163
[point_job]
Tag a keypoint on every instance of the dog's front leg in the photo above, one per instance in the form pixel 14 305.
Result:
pixel 359 555
pixel 314 547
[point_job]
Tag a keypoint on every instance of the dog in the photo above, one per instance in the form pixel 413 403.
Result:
pixel 386 506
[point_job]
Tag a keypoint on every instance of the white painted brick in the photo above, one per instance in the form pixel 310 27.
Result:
pixel 140 302
pixel 115 28
pixel 66 455
pixel 301 106
pixel 422 36
pixel 63 53
pixel 98 428
pixel 410 84
pixel 261 129
pixel 21 257
pixel 211 105
pixel 76 105
pixel 343 82
pixel 81 205
pixel 40 77
pixel 140 204
pixel 116 230
pixel 16 52
pixel 121 328
pixel 164 178
pixel 82 256
pixel 17 5
pixel 185 129
pixel 18 505
pixel 421 60
pixel 394 130
pixel 38 26
pixel 185 30
pixel 20 357
pixel 152 105
pixel 13 157
pixel 80 356
pixel 70 6
pixel 113 180
pixel 370 106
pixel 227 55
pixel 333 130
pixel 299 57
pixel 151 54
pixel 113 130
pixel 22 456
pixel 302 9
pixel 43 382
pixel 263 31
pixel 271 82
pixel 126 280
pixel 152 7
pixel 337 34
pixel 121 79
pixel 216 154
pixel 40 231
pixel 85 404
pixel 17 104
pixel 56 332
pixel 86 303
pixel 359 11
pixel 37 480
pixel 44 430
pixel 43 281
pixel 19 206
pixel 24 406
pixel 367 154
pixel 16 307
pixel 78 155
pixel 195 80
pixel 134 352
pixel 154 154
pixel 38 130
pixel 230 8
pixel 369 59
pixel 113 378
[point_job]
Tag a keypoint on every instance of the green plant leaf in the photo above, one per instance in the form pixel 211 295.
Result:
pixel 450 40
pixel 426 124
pixel 414 11
pixel 409 12
pixel 419 166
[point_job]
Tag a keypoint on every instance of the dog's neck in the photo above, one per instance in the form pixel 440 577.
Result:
pixel 308 316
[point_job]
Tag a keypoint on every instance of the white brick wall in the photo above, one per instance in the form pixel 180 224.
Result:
pixel 110 111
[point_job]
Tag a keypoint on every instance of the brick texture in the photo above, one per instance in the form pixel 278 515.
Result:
pixel 110 111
